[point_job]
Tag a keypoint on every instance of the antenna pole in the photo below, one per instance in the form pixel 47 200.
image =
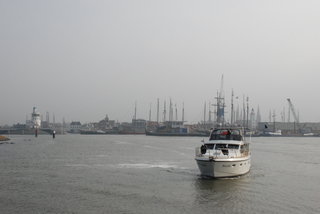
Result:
pixel 231 120
pixel 182 112
pixel 158 110
pixel 135 110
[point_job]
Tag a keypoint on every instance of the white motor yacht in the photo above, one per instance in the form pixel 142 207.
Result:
pixel 226 154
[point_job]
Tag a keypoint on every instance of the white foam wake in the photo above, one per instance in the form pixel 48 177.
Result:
pixel 146 165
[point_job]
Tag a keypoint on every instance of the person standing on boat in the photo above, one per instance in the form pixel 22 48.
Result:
pixel 53 134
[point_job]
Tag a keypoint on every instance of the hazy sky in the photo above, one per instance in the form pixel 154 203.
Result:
pixel 84 59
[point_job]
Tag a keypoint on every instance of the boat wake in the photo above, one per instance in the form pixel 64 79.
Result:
pixel 165 167
pixel 146 166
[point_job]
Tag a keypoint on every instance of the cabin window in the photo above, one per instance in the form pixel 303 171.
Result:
pixel 226 134
pixel 233 146
pixel 235 132
pixel 236 137
pixel 221 146
pixel 209 146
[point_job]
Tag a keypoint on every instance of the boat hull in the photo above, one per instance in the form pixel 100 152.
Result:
pixel 223 168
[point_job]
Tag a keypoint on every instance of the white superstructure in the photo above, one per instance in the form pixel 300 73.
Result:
pixel 35 118
pixel 226 154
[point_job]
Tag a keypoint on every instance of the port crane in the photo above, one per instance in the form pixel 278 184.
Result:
pixel 296 119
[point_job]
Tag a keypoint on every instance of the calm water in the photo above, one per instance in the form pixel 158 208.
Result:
pixel 145 174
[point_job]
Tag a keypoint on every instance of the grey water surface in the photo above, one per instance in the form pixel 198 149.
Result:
pixel 146 174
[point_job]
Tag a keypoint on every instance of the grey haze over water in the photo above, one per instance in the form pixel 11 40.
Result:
pixel 85 59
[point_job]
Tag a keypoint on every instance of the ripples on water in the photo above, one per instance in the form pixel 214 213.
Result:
pixel 144 174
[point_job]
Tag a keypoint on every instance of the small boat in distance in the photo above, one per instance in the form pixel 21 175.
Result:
pixel 226 154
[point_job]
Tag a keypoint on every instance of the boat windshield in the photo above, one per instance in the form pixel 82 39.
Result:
pixel 233 146
pixel 222 146
pixel 226 134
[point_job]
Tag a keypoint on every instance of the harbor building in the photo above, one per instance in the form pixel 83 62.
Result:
pixel 290 128
pixel 75 127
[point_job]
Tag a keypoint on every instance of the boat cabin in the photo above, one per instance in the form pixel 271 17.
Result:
pixel 226 134
pixel 226 141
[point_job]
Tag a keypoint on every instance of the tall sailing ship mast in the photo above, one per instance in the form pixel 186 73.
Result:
pixel 220 105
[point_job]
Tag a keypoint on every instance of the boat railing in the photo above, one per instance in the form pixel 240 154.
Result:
pixel 215 154
pixel 198 152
